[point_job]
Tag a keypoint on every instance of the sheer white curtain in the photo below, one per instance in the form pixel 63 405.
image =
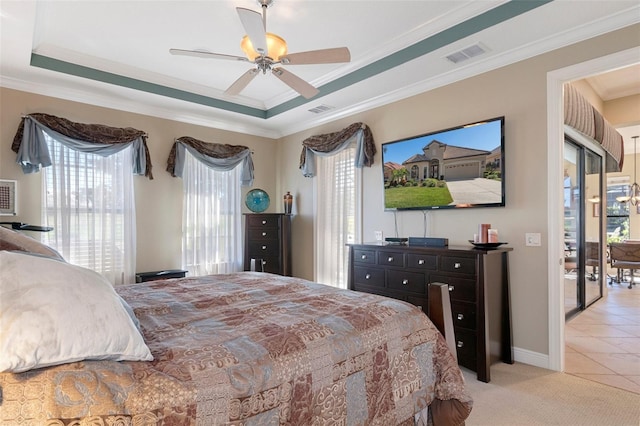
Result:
pixel 89 201
pixel 338 217
pixel 212 220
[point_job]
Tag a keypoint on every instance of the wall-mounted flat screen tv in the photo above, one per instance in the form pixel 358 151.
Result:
pixel 458 167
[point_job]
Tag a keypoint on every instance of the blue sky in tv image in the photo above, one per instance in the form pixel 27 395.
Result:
pixel 484 135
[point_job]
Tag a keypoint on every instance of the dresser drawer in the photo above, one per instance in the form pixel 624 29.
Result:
pixel 421 302
pixel 466 347
pixel 371 277
pixel 459 288
pixel 422 261
pixel 263 248
pixel 464 315
pixel 364 256
pixel 460 265
pixel 264 234
pixel 262 221
pixel 271 264
pixel 413 282
pixel 390 258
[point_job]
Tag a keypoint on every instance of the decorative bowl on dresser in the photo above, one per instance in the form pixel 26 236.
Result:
pixel 267 243
pixel 478 281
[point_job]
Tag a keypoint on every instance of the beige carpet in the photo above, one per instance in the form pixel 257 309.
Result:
pixel 520 395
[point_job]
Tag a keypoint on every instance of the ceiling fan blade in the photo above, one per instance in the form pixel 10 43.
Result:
pixel 205 54
pixel 295 82
pixel 242 82
pixel 323 56
pixel 255 29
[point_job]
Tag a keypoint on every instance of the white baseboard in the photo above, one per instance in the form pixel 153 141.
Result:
pixel 532 358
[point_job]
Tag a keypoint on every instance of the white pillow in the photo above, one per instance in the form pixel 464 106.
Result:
pixel 53 312
pixel 14 240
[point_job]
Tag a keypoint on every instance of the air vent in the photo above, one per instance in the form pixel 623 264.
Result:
pixel 467 53
pixel 320 109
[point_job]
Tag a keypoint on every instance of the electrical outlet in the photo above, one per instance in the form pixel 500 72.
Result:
pixel 378 235
pixel 532 239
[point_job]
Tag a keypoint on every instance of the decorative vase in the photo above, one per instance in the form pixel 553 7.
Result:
pixel 288 202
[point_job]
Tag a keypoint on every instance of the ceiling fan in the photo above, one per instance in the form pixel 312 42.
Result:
pixel 267 50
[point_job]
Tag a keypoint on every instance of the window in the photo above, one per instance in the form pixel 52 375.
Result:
pixel 617 212
pixel 89 201
pixel 415 172
pixel 338 204
pixel 211 230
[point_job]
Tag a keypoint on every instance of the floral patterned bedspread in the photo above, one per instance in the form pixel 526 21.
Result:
pixel 251 349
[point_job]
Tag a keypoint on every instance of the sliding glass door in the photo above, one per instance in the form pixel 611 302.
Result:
pixel 583 223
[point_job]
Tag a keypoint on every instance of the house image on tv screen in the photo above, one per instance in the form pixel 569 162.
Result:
pixel 448 162
pixel 457 168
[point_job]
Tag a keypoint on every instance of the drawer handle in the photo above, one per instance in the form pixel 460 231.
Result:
pixel 460 344
pixel 368 276
pixel 390 259
pixel 264 222
pixel 364 257
pixel 421 262
pixel 264 247
pixel 405 281
pixel 457 265
pixel 451 288
pixel 460 317
pixel 264 234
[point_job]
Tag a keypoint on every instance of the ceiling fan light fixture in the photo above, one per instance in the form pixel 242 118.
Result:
pixel 267 50
pixel 276 47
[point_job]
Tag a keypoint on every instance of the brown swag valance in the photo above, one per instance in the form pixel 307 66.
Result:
pixel 331 141
pixel 94 133
pixel 214 155
pixel 209 149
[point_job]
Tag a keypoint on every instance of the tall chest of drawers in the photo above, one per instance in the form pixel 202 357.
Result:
pixel 267 241
pixel 478 282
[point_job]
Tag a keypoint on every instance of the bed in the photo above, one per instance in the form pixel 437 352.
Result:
pixel 247 348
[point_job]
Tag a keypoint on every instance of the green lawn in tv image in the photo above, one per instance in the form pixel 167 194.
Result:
pixel 411 195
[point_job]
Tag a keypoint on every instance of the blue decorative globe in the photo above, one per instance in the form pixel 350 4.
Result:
pixel 257 200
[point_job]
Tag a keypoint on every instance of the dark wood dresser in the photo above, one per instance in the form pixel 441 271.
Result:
pixel 267 241
pixel 478 282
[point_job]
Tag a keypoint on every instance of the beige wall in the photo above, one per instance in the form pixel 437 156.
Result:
pixel 158 201
pixel 622 112
pixel 517 91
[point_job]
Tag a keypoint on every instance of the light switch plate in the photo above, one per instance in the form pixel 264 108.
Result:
pixel 532 239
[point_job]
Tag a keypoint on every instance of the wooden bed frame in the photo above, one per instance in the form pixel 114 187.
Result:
pixel 440 313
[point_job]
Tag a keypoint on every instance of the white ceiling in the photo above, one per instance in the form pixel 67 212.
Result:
pixel 125 44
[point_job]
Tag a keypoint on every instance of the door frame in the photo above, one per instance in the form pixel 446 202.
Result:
pixel 555 156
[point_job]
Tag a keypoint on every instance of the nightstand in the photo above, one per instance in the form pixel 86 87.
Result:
pixel 160 275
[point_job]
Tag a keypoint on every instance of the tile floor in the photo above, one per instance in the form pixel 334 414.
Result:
pixel 602 343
